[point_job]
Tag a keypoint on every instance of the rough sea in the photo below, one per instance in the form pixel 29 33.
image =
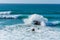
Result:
pixel 12 25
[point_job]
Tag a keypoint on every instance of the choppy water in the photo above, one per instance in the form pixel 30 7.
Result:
pixel 24 32
pixel 10 30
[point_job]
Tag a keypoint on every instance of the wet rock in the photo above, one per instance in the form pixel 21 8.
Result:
pixel 36 22
pixel 33 29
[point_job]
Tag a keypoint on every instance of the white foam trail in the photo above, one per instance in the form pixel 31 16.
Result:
pixel 9 16
pixel 56 22
pixel 5 12
pixel 36 17
pixel 24 32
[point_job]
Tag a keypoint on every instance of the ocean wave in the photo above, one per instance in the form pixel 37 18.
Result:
pixel 24 32
pixel 22 16
pixel 6 15
pixel 57 23
pixel 43 21
pixel 5 12
pixel 9 16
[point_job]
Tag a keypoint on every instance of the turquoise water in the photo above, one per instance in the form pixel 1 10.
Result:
pixel 14 29
pixel 50 11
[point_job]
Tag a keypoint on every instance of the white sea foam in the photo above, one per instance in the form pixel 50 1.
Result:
pixel 9 16
pixel 56 22
pixel 44 21
pixel 5 12
pixel 37 17
pixel 24 32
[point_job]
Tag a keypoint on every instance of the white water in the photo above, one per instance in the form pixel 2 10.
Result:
pixel 36 17
pixel 5 12
pixel 39 18
pixel 56 22
pixel 9 16
pixel 24 32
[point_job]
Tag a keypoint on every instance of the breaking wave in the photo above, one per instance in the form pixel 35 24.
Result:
pixel 5 12
pixel 24 32
pixel 8 15
pixel 43 21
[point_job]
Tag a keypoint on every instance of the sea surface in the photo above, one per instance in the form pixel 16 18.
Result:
pixel 14 28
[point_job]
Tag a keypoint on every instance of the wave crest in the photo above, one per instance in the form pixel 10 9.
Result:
pixel 36 17
pixel 5 12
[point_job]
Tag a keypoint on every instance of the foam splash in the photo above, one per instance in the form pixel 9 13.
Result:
pixel 37 17
pixel 23 32
pixel 44 21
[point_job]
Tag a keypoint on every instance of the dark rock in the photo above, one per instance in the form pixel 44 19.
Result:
pixel 36 22
pixel 33 29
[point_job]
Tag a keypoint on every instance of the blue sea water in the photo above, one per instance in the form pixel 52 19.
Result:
pixel 49 11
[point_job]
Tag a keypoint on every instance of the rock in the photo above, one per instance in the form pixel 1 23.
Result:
pixel 33 29
pixel 36 23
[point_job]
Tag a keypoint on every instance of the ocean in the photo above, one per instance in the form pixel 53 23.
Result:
pixel 13 28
